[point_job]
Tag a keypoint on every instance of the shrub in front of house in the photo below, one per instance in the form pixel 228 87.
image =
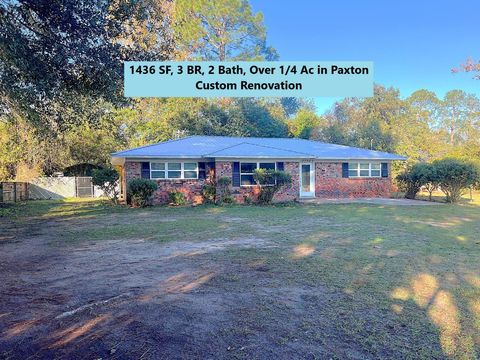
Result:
pixel 223 192
pixel 455 176
pixel 176 198
pixel 141 191
pixel 228 199
pixel 270 182
pixel 247 200
pixel 209 193
pixel 107 180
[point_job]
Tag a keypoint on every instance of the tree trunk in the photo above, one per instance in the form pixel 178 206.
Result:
pixel 221 52
pixel 452 128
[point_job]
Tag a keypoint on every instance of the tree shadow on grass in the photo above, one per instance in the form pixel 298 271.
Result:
pixel 415 267
pixel 351 282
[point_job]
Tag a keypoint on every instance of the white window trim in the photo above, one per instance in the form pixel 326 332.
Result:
pixel 258 167
pixel 182 170
pixel 369 170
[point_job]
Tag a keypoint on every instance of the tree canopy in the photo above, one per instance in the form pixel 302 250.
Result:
pixel 421 127
pixel 55 52
pixel 61 90
pixel 220 30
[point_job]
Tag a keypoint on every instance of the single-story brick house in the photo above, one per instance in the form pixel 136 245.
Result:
pixel 319 170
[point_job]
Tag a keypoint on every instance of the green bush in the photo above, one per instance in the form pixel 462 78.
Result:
pixel 228 199
pixel 414 178
pixel 430 179
pixel 454 176
pixel 224 182
pixel 141 190
pixel 270 182
pixel 247 200
pixel 176 198
pixel 223 193
pixel 107 180
pixel 209 193
pixel 476 185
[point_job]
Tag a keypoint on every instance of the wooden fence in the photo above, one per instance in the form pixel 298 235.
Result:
pixel 14 191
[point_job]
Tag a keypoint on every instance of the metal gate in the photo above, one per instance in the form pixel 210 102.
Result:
pixel 84 187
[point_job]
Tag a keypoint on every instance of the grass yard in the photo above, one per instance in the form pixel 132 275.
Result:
pixel 356 281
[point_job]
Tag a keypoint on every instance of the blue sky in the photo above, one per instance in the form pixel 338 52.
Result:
pixel 413 44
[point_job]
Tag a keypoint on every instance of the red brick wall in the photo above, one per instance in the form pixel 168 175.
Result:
pixel 330 184
pixel 224 168
pixel 133 170
pixel 293 191
pixel 191 188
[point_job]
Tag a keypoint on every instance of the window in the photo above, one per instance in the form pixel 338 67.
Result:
pixel 247 170
pixel 157 171
pixel 190 170
pixel 375 170
pixel 364 169
pixel 173 170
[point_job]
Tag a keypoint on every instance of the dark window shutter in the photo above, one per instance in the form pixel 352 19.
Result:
pixel 344 170
pixel 145 170
pixel 236 174
pixel 280 166
pixel 384 170
pixel 201 170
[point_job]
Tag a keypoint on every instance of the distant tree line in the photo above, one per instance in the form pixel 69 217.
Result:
pixel 61 99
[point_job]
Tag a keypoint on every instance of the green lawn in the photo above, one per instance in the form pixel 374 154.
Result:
pixel 379 281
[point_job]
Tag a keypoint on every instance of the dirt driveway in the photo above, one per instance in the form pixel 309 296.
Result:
pixel 133 299
pixel 115 299
pixel 232 292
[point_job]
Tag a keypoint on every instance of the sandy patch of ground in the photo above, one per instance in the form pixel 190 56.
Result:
pixel 270 283
pixel 119 298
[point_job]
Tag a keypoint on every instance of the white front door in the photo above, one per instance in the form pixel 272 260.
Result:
pixel 307 180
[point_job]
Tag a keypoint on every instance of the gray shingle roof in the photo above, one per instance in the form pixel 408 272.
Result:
pixel 249 147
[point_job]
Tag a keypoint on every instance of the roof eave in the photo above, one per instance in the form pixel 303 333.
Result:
pixel 162 156
pixel 400 158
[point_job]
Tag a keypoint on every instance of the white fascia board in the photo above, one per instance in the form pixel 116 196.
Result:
pixel 302 159
pixel 259 158
pixel 232 158
pixel 355 159
pixel 165 158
